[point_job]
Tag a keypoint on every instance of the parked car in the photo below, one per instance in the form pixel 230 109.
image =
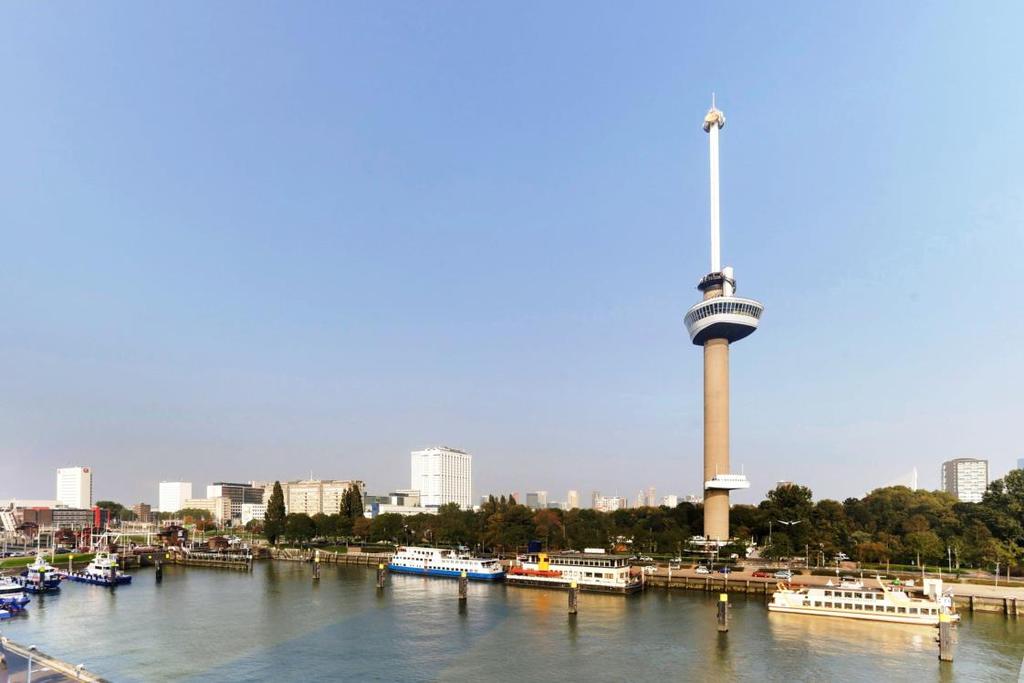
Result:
pixel 761 574
pixel 784 574
pixel 724 570
pixel 701 569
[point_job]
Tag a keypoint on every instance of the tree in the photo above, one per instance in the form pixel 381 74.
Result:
pixel 192 514
pixel 116 510
pixel 352 503
pixel 274 520
pixel 325 525
pixel 299 527
pixel 386 527
pixel 361 527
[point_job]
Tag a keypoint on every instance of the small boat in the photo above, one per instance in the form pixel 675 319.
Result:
pixel 102 571
pixel 14 603
pixel 40 577
pixel 10 586
pixel 445 563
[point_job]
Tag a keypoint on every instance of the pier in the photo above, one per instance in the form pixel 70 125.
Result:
pixel 25 663
pixel 328 557
pixel 201 558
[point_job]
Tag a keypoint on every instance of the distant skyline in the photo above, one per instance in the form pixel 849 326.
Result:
pixel 250 241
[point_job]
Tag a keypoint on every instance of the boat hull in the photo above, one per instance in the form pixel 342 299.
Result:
pixel 446 573
pixel 121 580
pixel 926 620
pixel 563 584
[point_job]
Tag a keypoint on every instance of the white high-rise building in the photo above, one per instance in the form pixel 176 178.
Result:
pixel 74 487
pixel 572 501
pixel 610 503
pixel 443 475
pixel 173 495
pixel 965 478
pixel 670 501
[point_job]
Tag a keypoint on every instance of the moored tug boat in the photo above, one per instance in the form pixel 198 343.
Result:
pixel 102 571
pixel 40 577
pixel 590 571
pixel 853 600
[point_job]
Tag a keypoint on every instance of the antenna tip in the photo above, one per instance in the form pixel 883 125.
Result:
pixel 714 116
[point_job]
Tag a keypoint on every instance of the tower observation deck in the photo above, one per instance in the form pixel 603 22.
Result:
pixel 720 319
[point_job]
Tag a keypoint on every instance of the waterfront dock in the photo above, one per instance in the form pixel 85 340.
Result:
pixel 328 557
pixel 17 659
pixel 209 558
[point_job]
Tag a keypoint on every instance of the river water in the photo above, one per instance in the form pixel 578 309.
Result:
pixel 277 624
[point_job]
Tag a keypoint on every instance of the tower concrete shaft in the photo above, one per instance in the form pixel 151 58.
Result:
pixel 716 433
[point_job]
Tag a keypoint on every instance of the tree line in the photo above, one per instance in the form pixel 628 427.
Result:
pixel 889 524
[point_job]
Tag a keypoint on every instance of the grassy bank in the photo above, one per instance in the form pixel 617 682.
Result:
pixel 59 561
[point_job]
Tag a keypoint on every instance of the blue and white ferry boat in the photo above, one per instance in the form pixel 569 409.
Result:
pixel 446 563
pixel 40 577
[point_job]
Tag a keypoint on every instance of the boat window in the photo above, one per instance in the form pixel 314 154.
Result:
pixel 890 609
pixel 913 610
pixel 817 603
pixel 901 610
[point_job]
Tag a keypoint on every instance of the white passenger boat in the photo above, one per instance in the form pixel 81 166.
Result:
pixel 102 571
pixel 853 600
pixel 40 576
pixel 445 563
pixel 590 571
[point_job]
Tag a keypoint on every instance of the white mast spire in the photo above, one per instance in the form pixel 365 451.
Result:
pixel 713 122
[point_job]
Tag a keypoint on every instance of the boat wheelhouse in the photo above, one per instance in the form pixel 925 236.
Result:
pixel 445 563
pixel 598 572
pixel 852 600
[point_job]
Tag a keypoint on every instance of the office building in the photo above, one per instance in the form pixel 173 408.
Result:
pixel 238 493
pixel 610 503
pixel 219 507
pixel 670 501
pixel 572 500
pixel 142 511
pixel 253 512
pixel 442 475
pixel 716 322
pixel 74 487
pixel 313 496
pixel 537 500
pixel 965 478
pixel 173 494
pixel 652 499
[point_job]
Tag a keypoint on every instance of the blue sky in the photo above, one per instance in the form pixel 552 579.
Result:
pixel 254 240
